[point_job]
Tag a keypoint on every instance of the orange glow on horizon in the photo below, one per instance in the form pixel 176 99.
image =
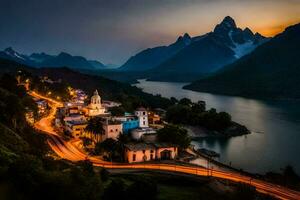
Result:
pixel 276 29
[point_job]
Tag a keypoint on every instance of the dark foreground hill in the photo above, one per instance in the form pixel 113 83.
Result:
pixel 271 71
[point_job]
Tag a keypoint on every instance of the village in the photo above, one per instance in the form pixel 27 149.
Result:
pixel 92 124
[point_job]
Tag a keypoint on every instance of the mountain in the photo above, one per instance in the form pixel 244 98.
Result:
pixel 45 60
pixel 65 59
pixel 39 57
pixel 272 70
pixel 190 57
pixel 227 41
pixel 96 64
pixel 152 57
pixel 11 54
pixel 214 50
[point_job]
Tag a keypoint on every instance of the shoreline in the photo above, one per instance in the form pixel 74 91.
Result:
pixel 234 130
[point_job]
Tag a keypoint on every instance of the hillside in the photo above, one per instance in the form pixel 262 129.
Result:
pixel 271 71
pixel 130 96
pixel 152 57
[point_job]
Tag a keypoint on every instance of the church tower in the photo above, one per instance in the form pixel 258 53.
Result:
pixel 95 107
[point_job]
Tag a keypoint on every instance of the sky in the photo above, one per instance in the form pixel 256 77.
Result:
pixel 113 30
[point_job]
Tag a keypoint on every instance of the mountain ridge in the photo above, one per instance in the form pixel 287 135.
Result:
pixel 271 71
pixel 46 60
pixel 226 33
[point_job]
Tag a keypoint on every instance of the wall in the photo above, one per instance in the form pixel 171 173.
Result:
pixel 173 150
pixel 112 131
pixel 139 155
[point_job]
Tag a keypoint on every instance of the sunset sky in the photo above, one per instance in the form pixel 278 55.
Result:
pixel 113 30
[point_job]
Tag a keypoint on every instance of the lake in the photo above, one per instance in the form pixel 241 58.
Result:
pixel 275 126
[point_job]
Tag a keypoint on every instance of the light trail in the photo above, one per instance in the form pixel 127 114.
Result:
pixel 68 151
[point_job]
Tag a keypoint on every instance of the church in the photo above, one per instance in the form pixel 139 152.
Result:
pixel 95 107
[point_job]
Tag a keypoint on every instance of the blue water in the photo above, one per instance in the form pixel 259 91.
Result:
pixel 275 125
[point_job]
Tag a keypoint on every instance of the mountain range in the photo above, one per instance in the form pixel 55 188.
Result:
pixel 201 54
pixel 45 60
pixel 272 70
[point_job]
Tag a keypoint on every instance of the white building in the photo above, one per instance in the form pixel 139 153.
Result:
pixel 142 114
pixel 138 133
pixel 95 107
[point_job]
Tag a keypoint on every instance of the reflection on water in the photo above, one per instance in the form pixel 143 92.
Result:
pixel 275 126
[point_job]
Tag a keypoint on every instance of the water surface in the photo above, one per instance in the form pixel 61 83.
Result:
pixel 275 126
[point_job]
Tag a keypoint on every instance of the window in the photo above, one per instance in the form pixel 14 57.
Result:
pixel 133 157
pixel 111 130
pixel 144 151
pixel 151 151
pixel 116 130
pixel 144 113
pixel 144 123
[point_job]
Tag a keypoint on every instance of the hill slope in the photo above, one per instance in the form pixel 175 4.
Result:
pixel 152 57
pixel 271 71
pixel 214 50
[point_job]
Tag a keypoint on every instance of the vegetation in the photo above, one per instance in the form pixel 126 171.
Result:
pixel 174 135
pixel 186 112
pixel 288 177
pixel 163 186
pixel 25 170
pixel 112 149
pixel 95 128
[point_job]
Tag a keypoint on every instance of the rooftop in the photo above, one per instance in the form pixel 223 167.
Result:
pixel 77 122
pixel 139 146
pixel 147 146
pixel 141 109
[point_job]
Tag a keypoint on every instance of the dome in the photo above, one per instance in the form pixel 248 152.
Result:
pixel 96 99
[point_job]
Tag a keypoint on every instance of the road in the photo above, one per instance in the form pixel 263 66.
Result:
pixel 69 151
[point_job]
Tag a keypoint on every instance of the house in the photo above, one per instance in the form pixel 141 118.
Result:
pixel 139 132
pixel 42 106
pixel 142 115
pixel 112 128
pixel 153 118
pixel 76 128
pixel 129 122
pixel 75 117
pixel 142 152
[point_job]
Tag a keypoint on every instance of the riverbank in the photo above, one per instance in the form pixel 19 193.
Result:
pixel 235 129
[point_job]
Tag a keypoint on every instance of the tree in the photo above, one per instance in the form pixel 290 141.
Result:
pixel 95 127
pixel 199 107
pixel 185 101
pixel 121 141
pixel 175 135
pixel 178 114
pixel 117 111
pixel 107 147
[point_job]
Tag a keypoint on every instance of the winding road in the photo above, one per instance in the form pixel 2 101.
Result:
pixel 69 151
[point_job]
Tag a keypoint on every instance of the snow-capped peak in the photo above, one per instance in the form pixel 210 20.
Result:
pixel 243 48
pixel 9 51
